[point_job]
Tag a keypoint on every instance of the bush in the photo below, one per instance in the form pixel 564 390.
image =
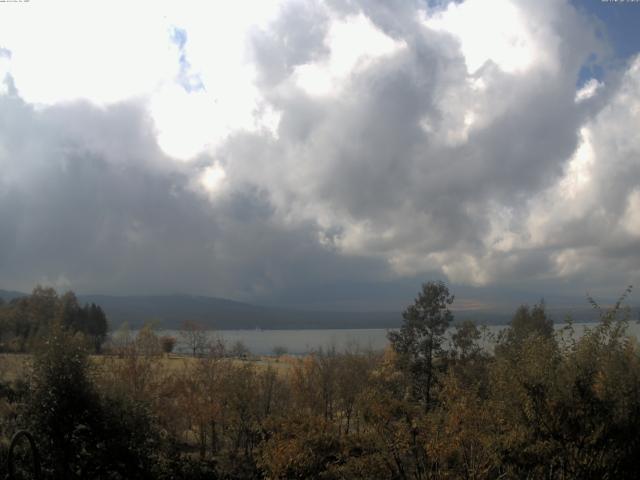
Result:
pixel 167 343
pixel 80 434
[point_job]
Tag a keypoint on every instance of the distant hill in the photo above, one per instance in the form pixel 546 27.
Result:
pixel 222 314
pixel 10 295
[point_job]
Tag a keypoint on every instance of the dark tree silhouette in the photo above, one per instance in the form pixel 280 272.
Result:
pixel 421 336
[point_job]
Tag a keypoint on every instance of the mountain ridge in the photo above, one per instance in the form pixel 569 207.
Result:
pixel 170 311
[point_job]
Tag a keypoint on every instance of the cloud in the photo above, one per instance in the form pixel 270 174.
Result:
pixel 413 157
pixel 323 143
pixel 93 203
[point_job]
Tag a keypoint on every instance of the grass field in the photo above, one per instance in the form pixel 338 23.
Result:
pixel 15 366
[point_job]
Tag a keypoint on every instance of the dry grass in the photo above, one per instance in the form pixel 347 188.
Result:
pixel 15 366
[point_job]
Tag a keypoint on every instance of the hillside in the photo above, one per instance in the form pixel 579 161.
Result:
pixel 171 310
pixel 222 314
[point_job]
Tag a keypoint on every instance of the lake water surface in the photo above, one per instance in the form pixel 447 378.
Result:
pixel 298 342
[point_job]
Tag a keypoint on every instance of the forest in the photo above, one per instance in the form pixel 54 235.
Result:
pixel 444 400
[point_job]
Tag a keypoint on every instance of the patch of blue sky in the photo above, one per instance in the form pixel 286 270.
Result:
pixel 191 82
pixel 619 26
pixel 179 37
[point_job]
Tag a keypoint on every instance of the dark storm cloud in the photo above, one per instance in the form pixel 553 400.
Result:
pixel 87 200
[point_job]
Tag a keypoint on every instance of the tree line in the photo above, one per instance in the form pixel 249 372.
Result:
pixel 25 321
pixel 530 402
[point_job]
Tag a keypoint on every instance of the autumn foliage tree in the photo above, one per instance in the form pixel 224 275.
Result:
pixel 28 320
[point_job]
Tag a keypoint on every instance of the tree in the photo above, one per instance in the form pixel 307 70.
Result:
pixel 97 326
pixel 279 350
pixel 70 314
pixel 122 340
pixel 90 319
pixel 465 340
pixel 532 321
pixel 4 323
pixel 526 324
pixel 239 349
pixel 62 402
pixel 33 315
pixel 195 336
pixel 147 342
pixel 80 433
pixel 421 336
pixel 167 343
pixel 467 358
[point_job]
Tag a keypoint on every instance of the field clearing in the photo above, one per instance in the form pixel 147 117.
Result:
pixel 174 362
pixel 16 366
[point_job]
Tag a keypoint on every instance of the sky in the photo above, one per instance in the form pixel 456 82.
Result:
pixel 321 154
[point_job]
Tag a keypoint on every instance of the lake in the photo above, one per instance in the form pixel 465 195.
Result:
pixel 298 342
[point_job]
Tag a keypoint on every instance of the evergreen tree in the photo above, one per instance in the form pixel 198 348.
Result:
pixel 97 326
pixel 421 336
